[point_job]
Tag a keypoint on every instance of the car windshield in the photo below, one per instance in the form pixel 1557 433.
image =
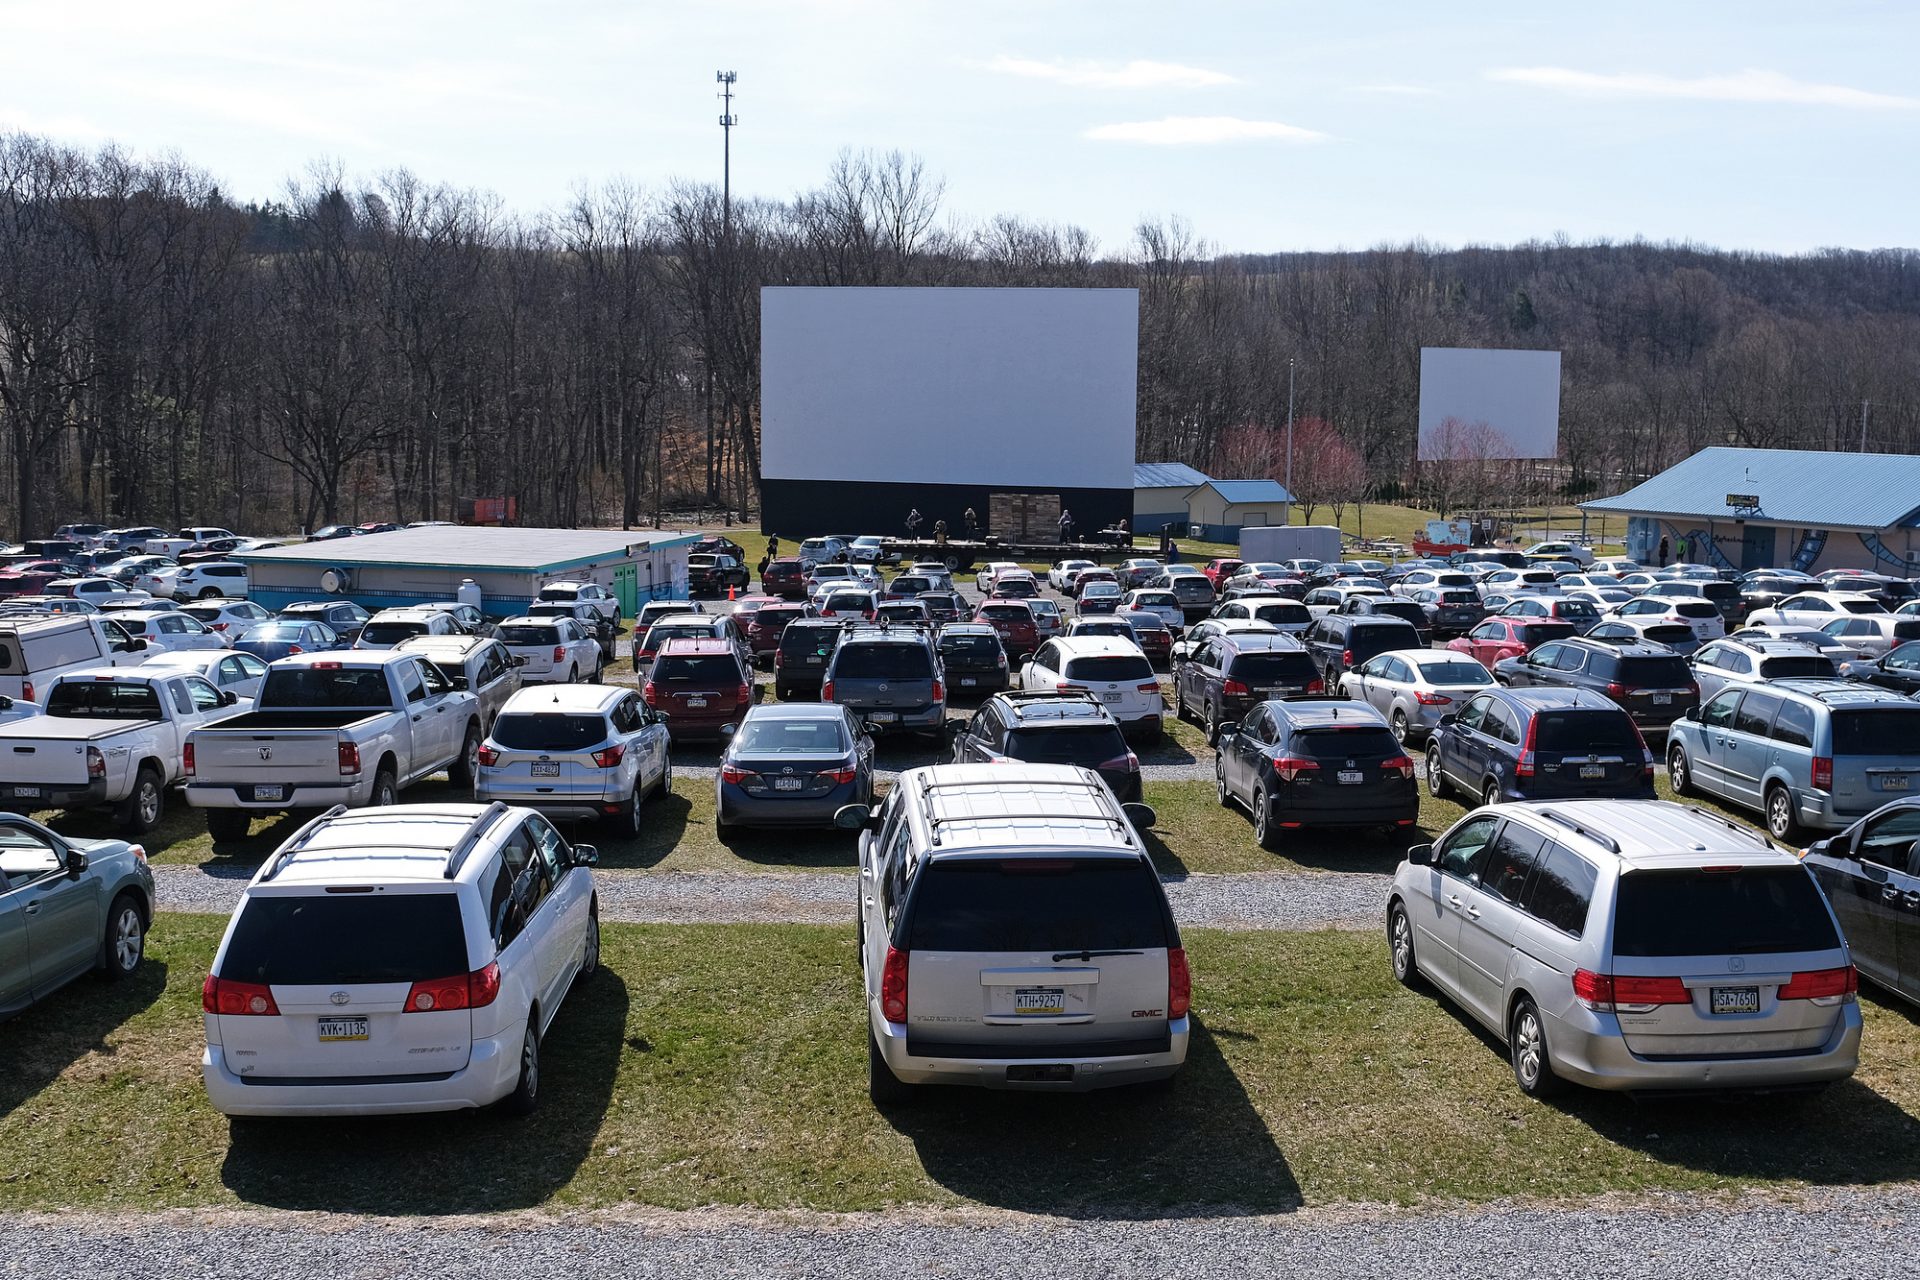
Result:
pixel 1111 667
pixel 1882 731
pixel 531 635
pixel 1450 673
pixel 329 940
pixel 1038 905
pixel 883 662
pixel 1744 911
pixel 548 731
pixel 1593 732
pixel 103 699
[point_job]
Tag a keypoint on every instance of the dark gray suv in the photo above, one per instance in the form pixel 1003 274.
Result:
pixel 890 678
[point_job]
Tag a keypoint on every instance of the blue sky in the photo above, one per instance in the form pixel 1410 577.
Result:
pixel 1269 126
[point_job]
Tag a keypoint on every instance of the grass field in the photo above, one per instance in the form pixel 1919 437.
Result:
pixel 724 1065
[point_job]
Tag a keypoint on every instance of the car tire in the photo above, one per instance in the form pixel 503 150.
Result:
pixel 526 1090
pixel 721 831
pixel 144 806
pixel 228 824
pixel 125 943
pixel 1490 794
pixel 1220 784
pixel 385 791
pixel 1437 785
pixel 1211 723
pixel 1783 824
pixel 664 787
pixel 1679 772
pixel 1406 971
pixel 466 766
pixel 590 949
pixel 626 824
pixel 1527 1051
pixel 209 593
pixel 883 1087
pixel 1402 731
pixel 1265 834
pixel 573 674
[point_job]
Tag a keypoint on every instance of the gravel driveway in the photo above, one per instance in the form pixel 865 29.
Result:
pixel 1863 1235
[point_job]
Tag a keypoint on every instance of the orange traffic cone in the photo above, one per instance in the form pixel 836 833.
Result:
pixel 730 591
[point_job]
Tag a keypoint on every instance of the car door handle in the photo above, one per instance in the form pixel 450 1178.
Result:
pixel 31 909
pixel 1474 912
pixel 1889 894
pixel 1453 901
pixel 1912 898
pixel 418 718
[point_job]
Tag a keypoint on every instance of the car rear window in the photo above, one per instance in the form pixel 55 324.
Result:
pixel 1582 732
pixel 1812 665
pixel 204 612
pixel 338 939
pixel 1862 606
pixel 1272 667
pixel 567 594
pixel 1695 609
pixel 815 735
pixel 800 639
pixel 1037 905
pixel 528 634
pixel 1720 591
pixel 777 615
pixel 970 646
pixel 1906 630
pixel 1540 632
pixel 1749 911
pixel 1400 609
pixel 394 632
pixel 883 662
pixel 1156 600
pixel 707 670
pixel 911 584
pixel 548 731
pixel 1366 742
pixel 1458 597
pixel 1007 612
pixel 1084 744
pixel 1668 634
pixel 1382 637
pixel 1882 731
pixel 1656 673
pixel 1118 666
pixel 107 700
pixel 1449 673
pixel 324 687
pixel 1281 615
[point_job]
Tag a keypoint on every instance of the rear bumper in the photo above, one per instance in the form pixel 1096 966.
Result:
pixel 575 806
pixel 982 681
pixel 492 1071
pixel 1588 1049
pixel 57 796
pixel 1143 726
pixel 904 719
pixel 736 807
pixel 225 795
pixel 1634 789
pixel 1369 811
pixel 1094 1072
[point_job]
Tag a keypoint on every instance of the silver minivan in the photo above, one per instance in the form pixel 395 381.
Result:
pixel 1630 945
pixel 1804 753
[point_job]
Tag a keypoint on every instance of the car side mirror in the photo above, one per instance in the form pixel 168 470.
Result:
pixel 1230 729
pixel 1140 815
pixel 585 855
pixel 1447 719
pixel 228 698
pixel 1420 855
pixel 728 730
pixel 856 817
pixel 1691 713
pixel 138 644
pixel 76 862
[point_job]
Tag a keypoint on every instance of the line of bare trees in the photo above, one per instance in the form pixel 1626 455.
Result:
pixel 362 350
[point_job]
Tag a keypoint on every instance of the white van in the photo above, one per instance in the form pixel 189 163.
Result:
pixel 34 650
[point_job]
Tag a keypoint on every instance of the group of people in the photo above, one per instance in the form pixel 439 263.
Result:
pixel 972 520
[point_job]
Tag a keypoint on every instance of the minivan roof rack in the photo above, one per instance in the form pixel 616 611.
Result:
pixel 1731 825
pixel 465 844
pixel 1598 837
pixel 299 841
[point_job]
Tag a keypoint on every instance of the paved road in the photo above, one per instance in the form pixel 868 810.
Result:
pixel 1256 900
pixel 1861 1235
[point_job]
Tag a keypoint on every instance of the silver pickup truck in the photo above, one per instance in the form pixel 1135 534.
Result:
pixel 331 728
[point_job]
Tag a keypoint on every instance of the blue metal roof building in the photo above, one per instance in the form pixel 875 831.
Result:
pixel 1160 492
pixel 1760 508
pixel 1218 509
pixel 1166 475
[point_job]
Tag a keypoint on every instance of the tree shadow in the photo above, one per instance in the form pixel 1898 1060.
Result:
pixel 451 1162
pixel 1197 1148
pixel 37 1045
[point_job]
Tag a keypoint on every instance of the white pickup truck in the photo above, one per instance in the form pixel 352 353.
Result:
pixel 109 736
pixel 331 728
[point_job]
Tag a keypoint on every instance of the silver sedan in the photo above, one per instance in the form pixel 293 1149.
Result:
pixel 1413 688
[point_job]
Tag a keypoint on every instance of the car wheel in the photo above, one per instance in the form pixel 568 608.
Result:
pixel 573 675
pixel 1782 823
pixel 125 945
pixel 526 1092
pixel 1436 778
pixel 590 952
pixel 1490 794
pixel 209 593
pixel 627 823
pixel 1527 1048
pixel 1678 772
pixel 721 831
pixel 1401 729
pixel 385 792
pixel 1211 722
pixel 228 824
pixel 140 811
pixel 1220 784
pixel 1264 833
pixel 1400 949
pixel 467 767
pixel 883 1087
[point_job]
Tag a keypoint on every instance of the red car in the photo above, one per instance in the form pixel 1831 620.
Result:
pixel 1151 634
pixel 786 578
pixel 765 625
pixel 1498 638
pixel 700 685
pixel 1013 622
pixel 1218 569
pixel 1085 576
pixel 31 578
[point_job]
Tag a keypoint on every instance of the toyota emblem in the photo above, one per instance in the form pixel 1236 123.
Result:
pixel 1736 964
pixel 266 753
pixel 340 997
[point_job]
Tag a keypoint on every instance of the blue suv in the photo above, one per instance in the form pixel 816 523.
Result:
pixel 1539 744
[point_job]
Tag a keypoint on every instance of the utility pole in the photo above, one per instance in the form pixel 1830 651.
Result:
pixel 1863 424
pixel 727 120
pixel 1289 429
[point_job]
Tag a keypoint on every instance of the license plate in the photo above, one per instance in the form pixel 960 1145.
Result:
pixel 1350 776
pixel 546 770
pixel 967 681
pixel 815 660
pixel 1736 999
pixel 696 702
pixel 1898 782
pixel 1590 771
pixel 787 784
pixel 343 1028
pixel 27 793
pixel 270 793
pixel 882 717
pixel 1039 1000
pixel 1662 699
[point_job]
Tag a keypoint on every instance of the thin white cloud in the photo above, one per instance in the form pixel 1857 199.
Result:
pixel 1396 90
pixel 61 128
pixel 1743 86
pixel 1197 131
pixel 1138 74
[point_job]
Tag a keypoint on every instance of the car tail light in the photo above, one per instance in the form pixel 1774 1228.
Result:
pixel 26 690
pixel 293 649
pixel 1067 686
pixel 649 694
pixel 608 757
pixel 826 691
pixel 474 990
pixel 1128 763
pixel 326 666
pixel 349 757
pixel 232 999
pixel 1616 690
pixel 489 755
pixel 893 986
pixel 1147 688
pixel 186 759
pixel 1432 699
pixel 1346 657
pixel 1294 769
pixel 842 776
pixel 1234 688
pixel 779 659
pixel 1179 983
pixel 734 774
pixel 1610 993
pixel 1823 773
pixel 139 852
pixel 1823 986
pixel 1316 686
pixel 939 691
pixel 559 653
pixel 96 763
pixel 1403 763
pixel 1524 769
pixel 1001 658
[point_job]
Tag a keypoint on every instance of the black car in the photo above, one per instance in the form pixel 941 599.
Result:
pixel 1898 669
pixel 800 663
pixel 344 616
pixel 974 658
pixel 1050 728
pixel 1227 676
pixel 792 766
pixel 715 575
pixel 1391 607
pixel 1650 682
pixel 1871 873
pixel 1317 763
pixel 943 606
pixel 1340 642
pixel 1451 611
pixel 1760 592
pixel 1539 744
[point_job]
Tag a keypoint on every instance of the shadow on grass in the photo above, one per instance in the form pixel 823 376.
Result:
pixel 457 1162
pixel 1194 1149
pixel 41 1043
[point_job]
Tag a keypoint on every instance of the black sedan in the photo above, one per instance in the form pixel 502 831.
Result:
pixel 792 764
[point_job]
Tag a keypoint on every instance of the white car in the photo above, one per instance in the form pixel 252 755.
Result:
pixel 1440 579
pixel 871 549
pixel 480 920
pixel 556 650
pixel 389 627
pixel 849 602
pixel 211 579
pixel 1282 613
pixel 1816 640
pixel 239 674
pixel 990 573
pixel 1871 635
pixel 151 574
pixel 1158 601
pixel 1698 615
pixel 1560 551
pixel 1596 581
pixel 1515 582
pixel 1112 670
pixel 1060 577
pixel 816 551
pixel 589 593
pixel 168 629
pixel 1615 565
pixel 231 618
pixel 95 591
pixel 1814 609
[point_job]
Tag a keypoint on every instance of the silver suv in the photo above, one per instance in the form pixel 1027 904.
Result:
pixel 1630 944
pixel 1013 934
pixel 1745 659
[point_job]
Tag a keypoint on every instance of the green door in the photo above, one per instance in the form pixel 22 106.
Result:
pixel 626 590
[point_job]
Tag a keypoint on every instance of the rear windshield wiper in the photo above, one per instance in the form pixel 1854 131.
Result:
pixel 1058 956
